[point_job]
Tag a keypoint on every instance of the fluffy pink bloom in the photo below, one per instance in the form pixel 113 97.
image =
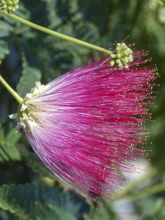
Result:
pixel 85 125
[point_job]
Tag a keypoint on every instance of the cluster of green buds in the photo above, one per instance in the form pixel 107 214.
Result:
pixel 122 56
pixel 8 6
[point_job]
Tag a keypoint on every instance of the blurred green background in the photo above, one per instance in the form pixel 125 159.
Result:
pixel 27 189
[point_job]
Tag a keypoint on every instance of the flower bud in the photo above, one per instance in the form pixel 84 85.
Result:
pixel 122 56
pixel 8 6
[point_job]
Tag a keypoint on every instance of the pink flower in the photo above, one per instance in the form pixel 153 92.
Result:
pixel 86 124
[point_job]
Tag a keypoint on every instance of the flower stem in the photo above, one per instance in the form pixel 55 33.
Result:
pixel 147 192
pixel 59 35
pixel 11 90
pixel 126 190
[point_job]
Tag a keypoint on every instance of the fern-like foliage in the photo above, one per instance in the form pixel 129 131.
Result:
pixel 9 145
pixel 33 202
pixel 35 164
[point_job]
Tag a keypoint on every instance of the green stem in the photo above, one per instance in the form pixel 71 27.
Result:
pixel 147 192
pixel 59 35
pixel 123 193
pixel 11 90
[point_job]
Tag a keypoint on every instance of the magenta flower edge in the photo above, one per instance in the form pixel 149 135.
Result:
pixel 87 125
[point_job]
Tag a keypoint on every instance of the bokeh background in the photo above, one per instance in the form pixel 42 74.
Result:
pixel 27 189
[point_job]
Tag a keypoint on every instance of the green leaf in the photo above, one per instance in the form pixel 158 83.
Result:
pixel 30 76
pixel 161 2
pixel 5 29
pixel 3 50
pixel 8 146
pixel 35 164
pixel 104 211
pixel 33 202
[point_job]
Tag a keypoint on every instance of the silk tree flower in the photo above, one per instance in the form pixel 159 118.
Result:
pixel 86 126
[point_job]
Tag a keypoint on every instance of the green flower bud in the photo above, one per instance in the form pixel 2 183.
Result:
pixel 122 56
pixel 8 6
